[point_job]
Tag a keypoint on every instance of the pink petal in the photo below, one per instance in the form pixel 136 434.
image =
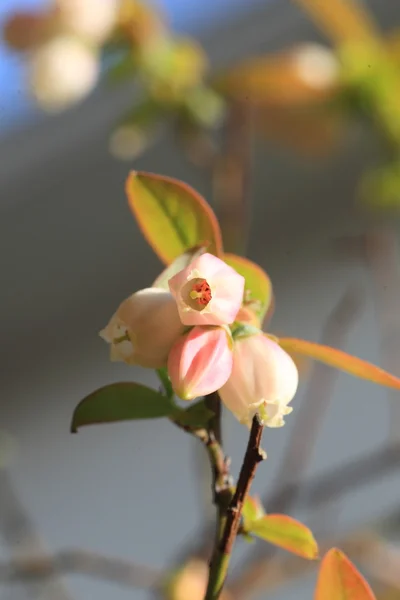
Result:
pixel 200 362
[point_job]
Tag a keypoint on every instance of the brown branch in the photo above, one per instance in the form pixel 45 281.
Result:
pixel 316 491
pixel 254 455
pixel 308 422
pixel 231 520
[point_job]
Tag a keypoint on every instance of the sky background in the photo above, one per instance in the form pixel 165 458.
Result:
pixel 184 15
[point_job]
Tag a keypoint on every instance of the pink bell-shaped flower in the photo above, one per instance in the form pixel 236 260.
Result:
pixel 207 292
pixel 263 380
pixel 200 362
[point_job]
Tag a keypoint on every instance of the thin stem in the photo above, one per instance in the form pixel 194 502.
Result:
pixel 223 547
pixel 231 179
pixel 221 478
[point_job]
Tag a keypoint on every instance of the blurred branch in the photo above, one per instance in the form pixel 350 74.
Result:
pixel 317 400
pixel 341 480
pixel 81 562
pixel 381 253
pixel 379 557
pixel 20 536
pixel 231 178
pixel 383 562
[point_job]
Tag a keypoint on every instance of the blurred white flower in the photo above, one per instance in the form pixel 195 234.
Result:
pixel 93 20
pixel 62 72
pixel 316 65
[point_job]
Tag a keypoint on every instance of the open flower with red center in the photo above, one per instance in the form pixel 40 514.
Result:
pixel 207 292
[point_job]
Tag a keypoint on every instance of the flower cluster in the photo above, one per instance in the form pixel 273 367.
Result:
pixel 64 44
pixel 191 330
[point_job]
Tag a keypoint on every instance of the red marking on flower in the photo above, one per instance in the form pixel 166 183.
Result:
pixel 203 293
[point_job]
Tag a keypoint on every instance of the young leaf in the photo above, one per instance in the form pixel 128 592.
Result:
pixel 287 533
pixel 173 217
pixel 341 360
pixel 252 511
pixel 338 579
pixel 177 265
pixel 258 287
pixel 120 402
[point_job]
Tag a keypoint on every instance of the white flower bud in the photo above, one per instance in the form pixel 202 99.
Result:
pixel 144 328
pixel 263 380
pixel 316 65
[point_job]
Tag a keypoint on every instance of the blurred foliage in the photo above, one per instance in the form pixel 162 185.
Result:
pixel 303 97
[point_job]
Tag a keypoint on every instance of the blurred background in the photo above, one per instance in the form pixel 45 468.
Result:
pixel 286 117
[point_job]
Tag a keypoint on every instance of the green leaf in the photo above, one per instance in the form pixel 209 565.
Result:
pixel 120 402
pixel 197 416
pixel 258 286
pixel 177 265
pixel 341 360
pixel 252 511
pixel 339 579
pixel 173 217
pixel 287 533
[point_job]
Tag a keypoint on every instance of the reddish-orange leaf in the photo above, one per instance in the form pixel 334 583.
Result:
pixel 341 360
pixel 173 217
pixel 287 533
pixel 338 579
